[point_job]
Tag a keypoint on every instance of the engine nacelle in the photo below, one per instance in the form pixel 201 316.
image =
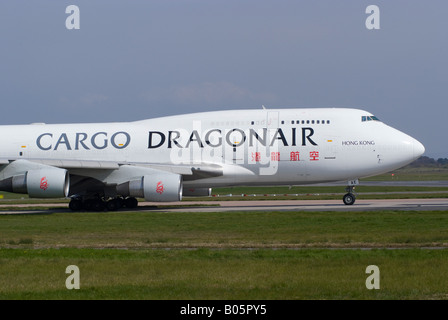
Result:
pixel 43 183
pixel 158 187
pixel 197 192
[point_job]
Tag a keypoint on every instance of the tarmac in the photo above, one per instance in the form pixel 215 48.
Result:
pixel 258 205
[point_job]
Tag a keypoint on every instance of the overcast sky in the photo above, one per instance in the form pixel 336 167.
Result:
pixel 133 60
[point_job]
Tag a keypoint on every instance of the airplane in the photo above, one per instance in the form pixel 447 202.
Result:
pixel 107 166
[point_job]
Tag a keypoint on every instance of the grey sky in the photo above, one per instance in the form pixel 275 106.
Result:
pixel 133 60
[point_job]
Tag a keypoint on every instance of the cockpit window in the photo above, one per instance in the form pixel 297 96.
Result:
pixel 369 118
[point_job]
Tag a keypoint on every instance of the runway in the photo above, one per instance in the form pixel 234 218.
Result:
pixel 256 205
pixel 301 205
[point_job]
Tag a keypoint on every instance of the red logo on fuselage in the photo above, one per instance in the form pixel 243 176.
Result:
pixel 160 187
pixel 44 183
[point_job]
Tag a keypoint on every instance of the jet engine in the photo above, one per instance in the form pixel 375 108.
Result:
pixel 197 192
pixel 158 187
pixel 39 183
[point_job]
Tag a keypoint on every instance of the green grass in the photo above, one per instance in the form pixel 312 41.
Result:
pixel 413 174
pixel 225 229
pixel 231 255
pixel 306 190
pixel 227 255
pixel 223 274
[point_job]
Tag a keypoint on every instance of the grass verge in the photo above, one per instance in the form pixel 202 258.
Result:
pixel 223 274
pixel 282 229
pixel 231 255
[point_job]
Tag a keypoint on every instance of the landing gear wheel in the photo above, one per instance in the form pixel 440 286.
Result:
pixel 120 202
pixel 131 202
pixel 114 204
pixel 349 199
pixel 97 205
pixel 75 205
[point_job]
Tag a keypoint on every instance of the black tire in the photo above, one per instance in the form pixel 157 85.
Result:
pixel 131 203
pixel 98 205
pixel 87 205
pixel 120 202
pixel 112 205
pixel 75 205
pixel 349 199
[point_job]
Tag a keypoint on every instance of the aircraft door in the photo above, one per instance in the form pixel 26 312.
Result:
pixel 271 152
pixel 272 120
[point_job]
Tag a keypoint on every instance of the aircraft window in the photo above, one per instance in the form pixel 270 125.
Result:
pixel 328 121
pixel 323 121
pixel 369 118
pixel 252 123
pixel 317 121
pixel 307 121
pixel 283 122
pixel 312 121
pixel 292 122
pixel 303 121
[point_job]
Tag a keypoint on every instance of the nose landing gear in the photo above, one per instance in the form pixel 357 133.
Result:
pixel 349 198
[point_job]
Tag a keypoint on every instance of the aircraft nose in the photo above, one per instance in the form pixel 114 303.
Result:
pixel 419 148
pixel 401 149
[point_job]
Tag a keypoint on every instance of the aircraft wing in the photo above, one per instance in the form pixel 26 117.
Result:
pixel 72 177
pixel 191 172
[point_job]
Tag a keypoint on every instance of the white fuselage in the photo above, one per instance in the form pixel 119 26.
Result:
pixel 251 147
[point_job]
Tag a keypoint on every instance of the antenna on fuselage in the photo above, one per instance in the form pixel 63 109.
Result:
pixel 263 106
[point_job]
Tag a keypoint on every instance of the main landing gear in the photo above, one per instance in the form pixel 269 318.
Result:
pixel 349 198
pixel 99 204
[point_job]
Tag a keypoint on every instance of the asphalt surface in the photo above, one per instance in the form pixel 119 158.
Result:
pixel 263 205
pixel 301 205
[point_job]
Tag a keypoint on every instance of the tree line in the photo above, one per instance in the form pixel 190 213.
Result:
pixel 425 161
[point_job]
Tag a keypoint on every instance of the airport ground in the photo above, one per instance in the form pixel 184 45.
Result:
pixel 297 249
